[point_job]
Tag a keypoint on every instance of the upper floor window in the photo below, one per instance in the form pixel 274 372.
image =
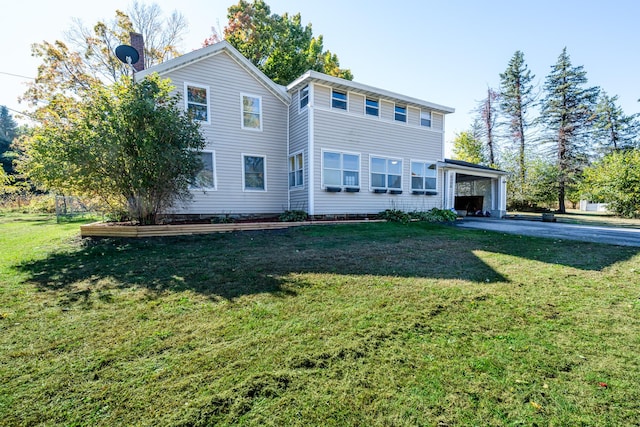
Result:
pixel 254 173
pixel 425 118
pixel 372 107
pixel 340 169
pixel 401 114
pixel 386 173
pixel 197 101
pixel 423 176
pixel 251 112
pixel 205 177
pixel 303 94
pixel 296 168
pixel 339 99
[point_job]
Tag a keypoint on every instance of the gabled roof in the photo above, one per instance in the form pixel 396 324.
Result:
pixel 348 85
pixel 471 166
pixel 212 50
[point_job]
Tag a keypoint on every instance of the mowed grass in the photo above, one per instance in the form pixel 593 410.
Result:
pixel 351 325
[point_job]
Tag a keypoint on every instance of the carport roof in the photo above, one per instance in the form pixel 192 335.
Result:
pixel 469 165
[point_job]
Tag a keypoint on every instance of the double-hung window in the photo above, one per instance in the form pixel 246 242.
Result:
pixel 251 112
pixel 425 118
pixel 401 114
pixel 205 178
pixel 303 94
pixel 372 107
pixel 197 101
pixel 254 176
pixel 339 99
pixel 296 168
pixel 340 169
pixel 424 176
pixel 386 174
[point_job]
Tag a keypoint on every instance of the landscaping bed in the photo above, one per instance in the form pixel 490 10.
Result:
pixel 107 229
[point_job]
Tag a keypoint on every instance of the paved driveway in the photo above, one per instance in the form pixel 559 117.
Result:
pixel 556 230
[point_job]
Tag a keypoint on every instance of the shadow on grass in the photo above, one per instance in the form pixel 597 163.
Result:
pixel 235 264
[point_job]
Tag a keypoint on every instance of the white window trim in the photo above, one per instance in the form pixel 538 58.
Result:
pixel 306 107
pixel 342 153
pixel 304 181
pixel 379 108
pixel 346 107
pixel 251 190
pixel 406 113
pixel 242 126
pixel 186 99
pixel 424 162
pixel 386 174
pixel 215 174
pixel 425 112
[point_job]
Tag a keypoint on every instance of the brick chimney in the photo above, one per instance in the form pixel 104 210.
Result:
pixel 137 42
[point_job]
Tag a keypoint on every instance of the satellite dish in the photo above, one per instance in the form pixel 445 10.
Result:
pixel 127 54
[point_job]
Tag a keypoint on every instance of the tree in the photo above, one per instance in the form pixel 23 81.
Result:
pixel 487 111
pixel 515 100
pixel 279 45
pixel 69 69
pixel 615 180
pixel 613 129
pixel 568 113
pixel 4 180
pixel 468 148
pixel 8 132
pixel 128 144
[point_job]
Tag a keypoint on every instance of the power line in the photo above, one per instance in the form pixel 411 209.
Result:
pixel 22 113
pixel 17 75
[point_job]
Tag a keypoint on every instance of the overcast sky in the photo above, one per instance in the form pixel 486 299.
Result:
pixel 446 52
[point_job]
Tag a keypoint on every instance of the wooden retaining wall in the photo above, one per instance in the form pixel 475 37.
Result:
pixel 101 229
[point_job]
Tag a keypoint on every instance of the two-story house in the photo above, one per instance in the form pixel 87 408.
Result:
pixel 322 144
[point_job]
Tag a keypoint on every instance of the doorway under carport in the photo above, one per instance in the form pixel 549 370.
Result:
pixel 473 189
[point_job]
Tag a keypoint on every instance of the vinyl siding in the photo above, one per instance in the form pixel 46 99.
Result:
pixel 437 121
pixel 299 141
pixel 322 96
pixel 352 133
pixel 224 135
pixel 356 103
pixel 387 110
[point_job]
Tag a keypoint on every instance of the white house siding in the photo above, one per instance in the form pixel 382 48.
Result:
pixel 356 133
pixel 322 96
pixel 387 110
pixel 227 80
pixel 298 142
pixel 437 121
pixel 356 103
pixel 413 116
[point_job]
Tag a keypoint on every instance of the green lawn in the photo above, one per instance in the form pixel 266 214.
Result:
pixel 372 324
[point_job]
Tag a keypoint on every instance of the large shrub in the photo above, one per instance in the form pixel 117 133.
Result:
pixel 128 144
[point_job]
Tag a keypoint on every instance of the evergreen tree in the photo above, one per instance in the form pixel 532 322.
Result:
pixel 613 129
pixel 8 132
pixel 488 114
pixel 568 112
pixel 515 99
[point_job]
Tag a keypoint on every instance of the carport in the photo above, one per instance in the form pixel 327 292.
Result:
pixel 474 188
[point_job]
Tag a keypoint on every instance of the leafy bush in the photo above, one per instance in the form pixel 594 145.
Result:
pixel 434 215
pixel 293 216
pixel 395 215
pixel 227 219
